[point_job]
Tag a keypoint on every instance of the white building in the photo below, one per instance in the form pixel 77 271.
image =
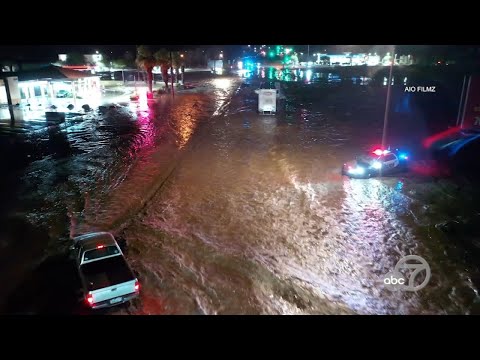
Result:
pixel 93 58
pixel 49 82
pixel 359 59
pixel 94 61
pixel 373 60
pixel 340 59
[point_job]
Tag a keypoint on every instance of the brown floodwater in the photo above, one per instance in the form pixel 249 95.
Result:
pixel 224 211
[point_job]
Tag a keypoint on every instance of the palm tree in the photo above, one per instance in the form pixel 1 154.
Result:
pixel 146 61
pixel 162 58
pixel 75 59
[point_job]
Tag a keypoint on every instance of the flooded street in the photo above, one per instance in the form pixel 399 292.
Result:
pixel 256 219
pixel 225 211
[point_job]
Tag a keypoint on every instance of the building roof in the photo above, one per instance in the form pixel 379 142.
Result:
pixel 52 72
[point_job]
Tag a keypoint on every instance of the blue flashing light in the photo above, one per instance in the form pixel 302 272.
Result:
pixel 403 156
pixel 462 143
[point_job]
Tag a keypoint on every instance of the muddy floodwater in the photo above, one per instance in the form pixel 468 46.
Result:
pixel 225 211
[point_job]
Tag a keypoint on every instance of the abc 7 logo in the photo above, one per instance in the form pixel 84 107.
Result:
pixel 396 281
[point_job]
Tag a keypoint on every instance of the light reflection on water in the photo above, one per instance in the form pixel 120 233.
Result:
pixel 307 76
pixel 256 219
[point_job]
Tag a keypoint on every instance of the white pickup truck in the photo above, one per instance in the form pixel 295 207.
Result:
pixel 106 278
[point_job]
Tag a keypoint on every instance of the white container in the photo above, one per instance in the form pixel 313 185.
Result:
pixel 267 101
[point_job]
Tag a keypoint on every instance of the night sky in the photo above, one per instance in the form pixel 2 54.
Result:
pixel 50 52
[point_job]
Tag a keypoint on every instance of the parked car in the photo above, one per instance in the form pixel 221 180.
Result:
pixel 63 94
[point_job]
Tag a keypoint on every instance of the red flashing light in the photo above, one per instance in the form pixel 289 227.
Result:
pixel 100 246
pixel 137 286
pixel 380 152
pixel 431 140
pixel 90 299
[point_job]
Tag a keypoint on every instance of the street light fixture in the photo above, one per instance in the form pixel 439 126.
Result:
pixel 221 56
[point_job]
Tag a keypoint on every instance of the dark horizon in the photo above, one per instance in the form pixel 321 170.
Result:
pixel 39 53
pixel 50 52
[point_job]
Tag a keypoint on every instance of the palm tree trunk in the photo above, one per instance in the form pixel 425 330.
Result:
pixel 165 76
pixel 150 80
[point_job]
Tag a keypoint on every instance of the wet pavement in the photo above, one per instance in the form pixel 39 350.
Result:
pixel 224 211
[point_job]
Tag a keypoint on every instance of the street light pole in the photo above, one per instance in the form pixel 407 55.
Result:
pixel 171 71
pixel 221 59
pixel 387 105
pixel 182 67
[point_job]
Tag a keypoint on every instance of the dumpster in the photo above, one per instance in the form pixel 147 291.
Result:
pixel 267 101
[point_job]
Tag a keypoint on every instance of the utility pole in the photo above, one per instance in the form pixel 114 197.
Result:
pixel 461 101
pixel 74 93
pixel 466 101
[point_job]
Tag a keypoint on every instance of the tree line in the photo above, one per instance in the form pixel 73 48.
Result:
pixel 147 59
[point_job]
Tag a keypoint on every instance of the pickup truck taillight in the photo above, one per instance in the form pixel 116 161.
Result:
pixel 137 286
pixel 89 299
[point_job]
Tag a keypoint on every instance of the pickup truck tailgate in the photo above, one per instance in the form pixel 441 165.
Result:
pixel 113 294
pixel 108 281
